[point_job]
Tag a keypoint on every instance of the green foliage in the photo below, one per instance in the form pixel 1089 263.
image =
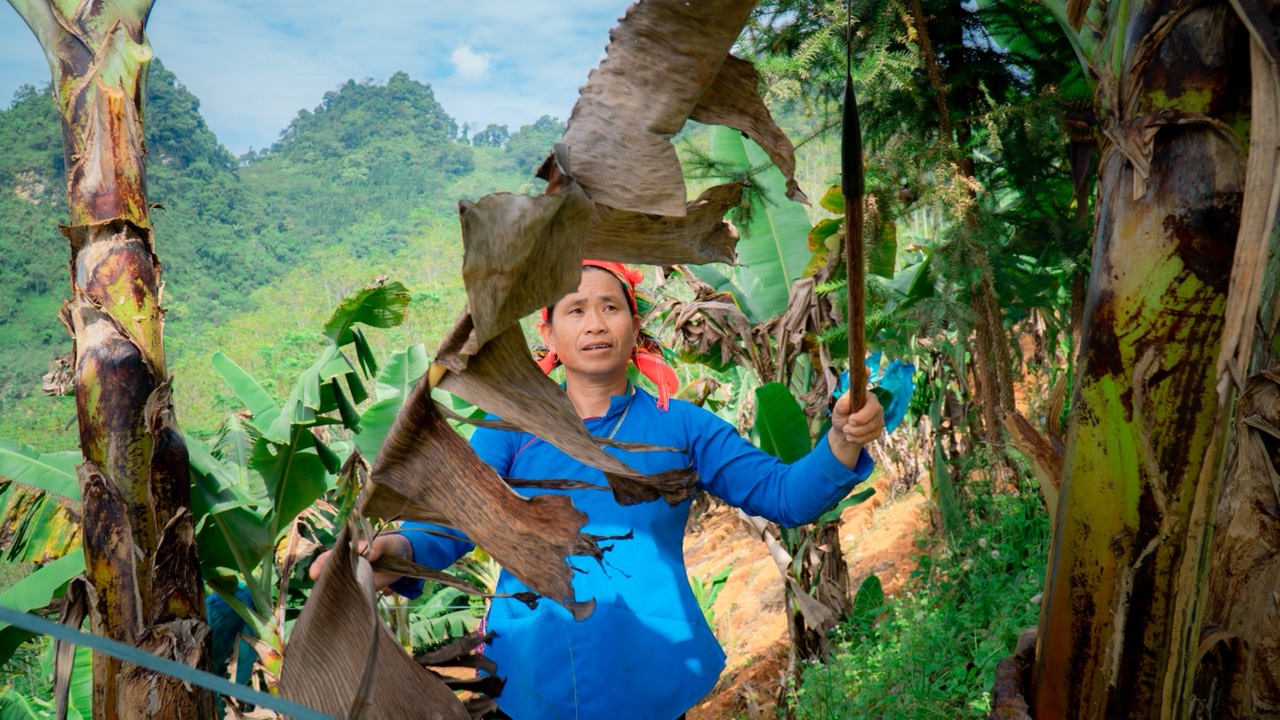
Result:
pixel 707 592
pixel 245 241
pixel 932 652
pixel 34 592
pixel 531 144
pixel 32 699
pixel 774 248
pixel 492 136
pixel 386 150
pixel 781 423
pixel 37 492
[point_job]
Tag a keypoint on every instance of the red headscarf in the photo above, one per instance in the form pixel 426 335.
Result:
pixel 647 355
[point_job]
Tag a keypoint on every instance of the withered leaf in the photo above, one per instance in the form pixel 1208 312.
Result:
pixel 503 425
pixel 143 690
pixel 701 236
pixel 175 590
pixel 662 57
pixel 503 379
pixel 340 657
pixel 408 568
pixel 521 253
pixel 426 471
pixel 734 100
pixel 80 601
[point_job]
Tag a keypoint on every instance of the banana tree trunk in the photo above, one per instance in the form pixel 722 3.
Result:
pixel 138 537
pixel 1119 629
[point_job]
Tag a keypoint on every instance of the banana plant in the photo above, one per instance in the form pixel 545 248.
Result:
pixel 763 311
pixel 15 705
pixel 252 482
pixel 262 473
pixel 817 579
pixel 39 503
pixel 772 250
pixel 134 478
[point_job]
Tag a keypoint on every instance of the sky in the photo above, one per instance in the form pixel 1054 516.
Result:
pixel 255 64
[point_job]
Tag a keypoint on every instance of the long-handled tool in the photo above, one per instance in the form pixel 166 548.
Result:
pixel 853 186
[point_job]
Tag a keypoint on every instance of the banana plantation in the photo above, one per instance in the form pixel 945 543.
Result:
pixel 1041 235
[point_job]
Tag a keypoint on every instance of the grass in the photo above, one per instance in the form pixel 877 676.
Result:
pixel 932 652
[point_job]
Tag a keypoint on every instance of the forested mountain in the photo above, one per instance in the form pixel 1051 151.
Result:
pixel 255 249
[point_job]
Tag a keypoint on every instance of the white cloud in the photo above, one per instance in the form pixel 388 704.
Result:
pixel 469 64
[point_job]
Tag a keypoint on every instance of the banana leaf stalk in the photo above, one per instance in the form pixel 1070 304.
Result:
pixel 853 185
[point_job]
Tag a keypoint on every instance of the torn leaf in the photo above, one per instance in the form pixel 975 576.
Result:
pixel 733 100
pixel 521 253
pixel 426 471
pixel 503 379
pixel 701 236
pixel 341 659
pixel 661 59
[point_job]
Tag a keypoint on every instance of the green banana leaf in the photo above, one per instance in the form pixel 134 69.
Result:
pixel 35 526
pixel 382 306
pixel 912 284
pixel 294 473
pixel 234 448
pixel 445 614
pixel 882 243
pixel 781 423
pixel 33 592
pixel 391 387
pixel 774 247
pixel 52 472
pixel 16 706
pixel 38 499
pixel 401 372
pixel 257 401
pixel 230 530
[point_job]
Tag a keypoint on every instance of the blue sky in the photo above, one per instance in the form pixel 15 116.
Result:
pixel 255 64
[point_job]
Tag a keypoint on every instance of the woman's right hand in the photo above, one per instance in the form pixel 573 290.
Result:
pixel 385 544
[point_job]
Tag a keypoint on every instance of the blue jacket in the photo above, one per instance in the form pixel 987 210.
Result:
pixel 646 652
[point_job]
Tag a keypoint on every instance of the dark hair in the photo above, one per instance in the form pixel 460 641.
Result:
pixel 552 308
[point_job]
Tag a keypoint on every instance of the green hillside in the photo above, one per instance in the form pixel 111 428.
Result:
pixel 256 250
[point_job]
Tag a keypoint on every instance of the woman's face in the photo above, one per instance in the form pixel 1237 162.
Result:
pixel 592 329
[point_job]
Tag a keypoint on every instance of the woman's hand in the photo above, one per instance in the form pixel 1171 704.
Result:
pixel 385 544
pixel 852 430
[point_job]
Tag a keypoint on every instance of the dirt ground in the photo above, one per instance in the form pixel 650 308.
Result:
pixel 878 537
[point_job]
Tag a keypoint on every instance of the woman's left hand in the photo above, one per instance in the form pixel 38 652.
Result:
pixel 852 430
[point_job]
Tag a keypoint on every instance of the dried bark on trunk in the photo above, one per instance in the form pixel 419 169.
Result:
pixel 1239 674
pixel 1148 430
pixel 138 536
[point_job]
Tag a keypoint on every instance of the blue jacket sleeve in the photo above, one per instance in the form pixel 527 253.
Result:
pixel 734 470
pixel 436 546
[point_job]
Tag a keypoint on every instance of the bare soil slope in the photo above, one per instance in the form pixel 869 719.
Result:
pixel 878 537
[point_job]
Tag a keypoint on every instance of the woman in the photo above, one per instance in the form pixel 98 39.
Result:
pixel 646 652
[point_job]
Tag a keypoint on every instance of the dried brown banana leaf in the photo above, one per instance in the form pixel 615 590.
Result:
pixel 734 100
pixel 521 253
pixel 426 471
pixel 341 659
pixel 503 379
pixel 661 59
pixel 701 236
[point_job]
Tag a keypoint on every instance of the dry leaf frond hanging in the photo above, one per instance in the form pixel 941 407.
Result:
pixel 342 660
pixel 661 59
